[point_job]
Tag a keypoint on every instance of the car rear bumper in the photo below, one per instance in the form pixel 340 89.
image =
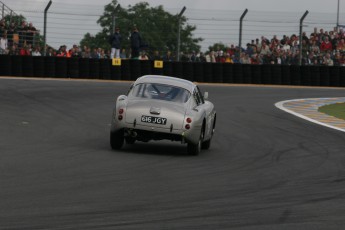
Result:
pixel 147 133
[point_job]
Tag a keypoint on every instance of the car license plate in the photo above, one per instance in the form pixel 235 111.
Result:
pixel 154 120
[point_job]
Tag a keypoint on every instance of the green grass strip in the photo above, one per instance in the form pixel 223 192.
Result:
pixel 336 110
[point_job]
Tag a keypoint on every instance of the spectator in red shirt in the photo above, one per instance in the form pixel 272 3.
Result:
pixel 25 51
pixel 255 59
pixel 341 45
pixel 326 45
pixel 220 57
pixel 62 52
pixel 231 51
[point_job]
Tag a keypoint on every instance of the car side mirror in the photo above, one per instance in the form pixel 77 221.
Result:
pixel 206 95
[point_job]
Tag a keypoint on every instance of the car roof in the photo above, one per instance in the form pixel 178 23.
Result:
pixel 167 80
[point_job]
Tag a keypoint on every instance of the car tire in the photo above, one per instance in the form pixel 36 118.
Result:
pixel 207 144
pixel 116 139
pixel 194 149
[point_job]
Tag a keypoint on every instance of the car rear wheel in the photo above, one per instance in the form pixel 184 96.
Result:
pixel 116 139
pixel 194 149
pixel 207 144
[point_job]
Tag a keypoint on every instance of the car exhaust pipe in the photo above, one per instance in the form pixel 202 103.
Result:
pixel 130 133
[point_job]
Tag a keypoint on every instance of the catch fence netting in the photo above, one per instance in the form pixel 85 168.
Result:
pixel 68 23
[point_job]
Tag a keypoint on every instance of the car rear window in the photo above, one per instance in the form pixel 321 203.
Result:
pixel 160 92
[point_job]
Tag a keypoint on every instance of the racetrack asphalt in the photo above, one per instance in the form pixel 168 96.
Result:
pixel 266 169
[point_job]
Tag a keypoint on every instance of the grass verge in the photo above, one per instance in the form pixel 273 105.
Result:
pixel 336 110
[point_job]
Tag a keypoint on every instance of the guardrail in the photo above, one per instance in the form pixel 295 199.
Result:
pixel 59 67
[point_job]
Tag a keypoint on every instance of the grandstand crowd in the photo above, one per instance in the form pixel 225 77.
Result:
pixel 319 48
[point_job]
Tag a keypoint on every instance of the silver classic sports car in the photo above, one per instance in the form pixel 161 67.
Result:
pixel 163 108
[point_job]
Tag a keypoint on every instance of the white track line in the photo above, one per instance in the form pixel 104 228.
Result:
pixel 280 105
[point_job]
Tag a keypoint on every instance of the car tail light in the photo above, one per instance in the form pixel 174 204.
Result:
pixel 120 116
pixel 188 121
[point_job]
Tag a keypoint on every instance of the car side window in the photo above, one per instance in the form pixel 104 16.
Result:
pixel 201 95
pixel 196 96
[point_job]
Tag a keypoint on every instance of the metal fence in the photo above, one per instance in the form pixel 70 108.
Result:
pixel 67 23
pixel 5 10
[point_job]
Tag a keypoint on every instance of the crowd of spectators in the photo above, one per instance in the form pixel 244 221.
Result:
pixel 319 48
pixel 16 39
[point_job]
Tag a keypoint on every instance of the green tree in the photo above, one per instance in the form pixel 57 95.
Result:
pixel 17 19
pixel 157 27
pixel 99 40
pixel 218 46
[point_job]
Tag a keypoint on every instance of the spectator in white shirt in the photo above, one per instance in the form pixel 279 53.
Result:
pixel 37 51
pixel 4 44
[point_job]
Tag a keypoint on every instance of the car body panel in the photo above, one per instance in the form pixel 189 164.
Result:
pixel 163 110
pixel 145 116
